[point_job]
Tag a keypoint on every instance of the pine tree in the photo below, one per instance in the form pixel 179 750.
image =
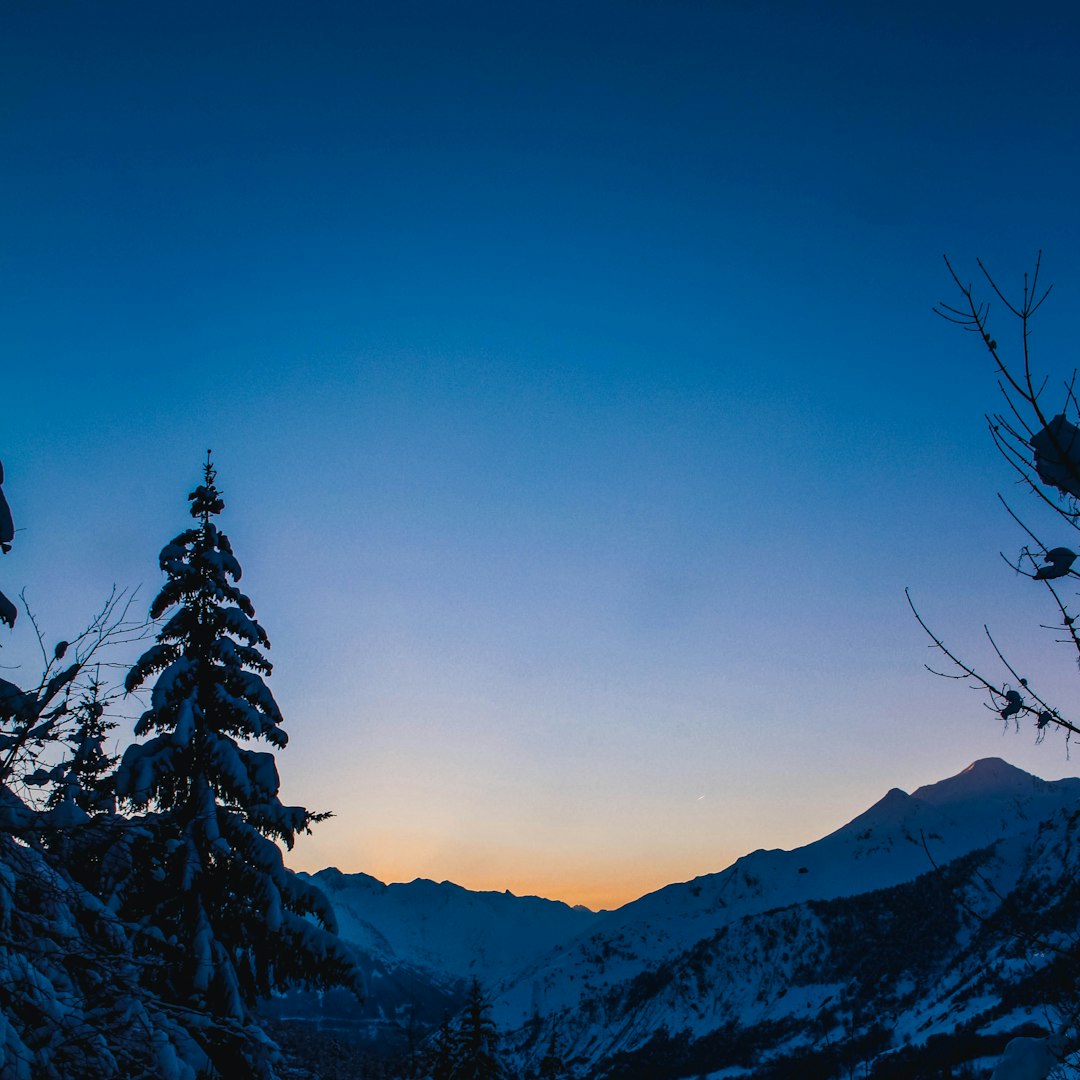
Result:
pixel 72 1002
pixel 476 1040
pixel 551 1065
pixel 444 1051
pixel 86 778
pixel 208 881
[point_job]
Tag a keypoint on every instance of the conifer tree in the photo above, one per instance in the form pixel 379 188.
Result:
pixel 476 1057
pixel 72 999
pixel 208 882
pixel 551 1065
pixel 443 1051
pixel 81 824
pixel 86 778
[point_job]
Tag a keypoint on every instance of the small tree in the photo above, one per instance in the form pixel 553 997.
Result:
pixel 85 779
pixel 443 1051
pixel 208 881
pixel 34 722
pixel 552 1066
pixel 475 1055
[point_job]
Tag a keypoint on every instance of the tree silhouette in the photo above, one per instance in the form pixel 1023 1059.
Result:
pixel 207 880
pixel 443 1051
pixel 1037 433
pixel 475 1053
pixel 551 1064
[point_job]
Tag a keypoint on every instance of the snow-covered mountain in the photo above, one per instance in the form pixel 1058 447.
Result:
pixel 786 952
pixel 931 925
pixel 418 945
pixel 450 932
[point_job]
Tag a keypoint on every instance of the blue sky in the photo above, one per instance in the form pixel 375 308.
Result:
pixel 573 385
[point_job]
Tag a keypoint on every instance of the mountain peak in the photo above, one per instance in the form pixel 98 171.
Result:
pixel 334 880
pixel 985 777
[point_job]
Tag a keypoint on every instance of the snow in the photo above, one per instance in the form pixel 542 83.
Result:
pixel 1025 1059
pixel 65 815
pixel 169 1065
pixel 747 912
pixel 241 626
pixel 168 679
pixel 883 846
pixel 992 778
pixel 448 930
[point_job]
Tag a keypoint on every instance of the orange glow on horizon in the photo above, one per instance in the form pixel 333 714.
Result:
pixel 592 884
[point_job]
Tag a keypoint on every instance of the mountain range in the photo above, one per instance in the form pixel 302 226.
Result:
pixel 920 936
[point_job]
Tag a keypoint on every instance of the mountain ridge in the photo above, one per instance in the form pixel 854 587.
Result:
pixel 898 911
pixel 651 969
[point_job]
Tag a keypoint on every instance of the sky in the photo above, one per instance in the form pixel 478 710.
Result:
pixel 574 389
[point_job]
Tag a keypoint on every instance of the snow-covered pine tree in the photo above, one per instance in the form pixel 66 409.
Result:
pixel 71 999
pixel 85 779
pixel 209 881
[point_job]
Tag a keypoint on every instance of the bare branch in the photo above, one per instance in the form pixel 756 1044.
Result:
pixel 1042 712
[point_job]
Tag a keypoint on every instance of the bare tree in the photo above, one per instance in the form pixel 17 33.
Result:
pixel 1037 434
pixel 37 721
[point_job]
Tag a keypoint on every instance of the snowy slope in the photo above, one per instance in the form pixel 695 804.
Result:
pixel 449 931
pixel 746 970
pixel 714 951
pixel 416 946
pixel 890 843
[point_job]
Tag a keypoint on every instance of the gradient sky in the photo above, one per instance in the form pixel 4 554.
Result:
pixel 574 389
